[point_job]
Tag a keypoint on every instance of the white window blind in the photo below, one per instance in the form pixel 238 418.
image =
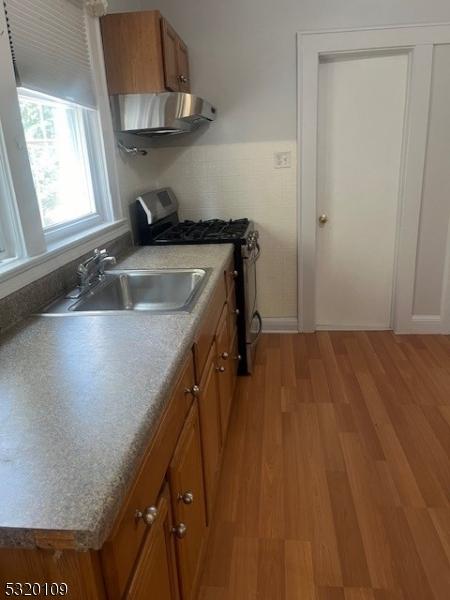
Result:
pixel 50 48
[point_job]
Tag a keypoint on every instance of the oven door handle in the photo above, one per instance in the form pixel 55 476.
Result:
pixel 259 319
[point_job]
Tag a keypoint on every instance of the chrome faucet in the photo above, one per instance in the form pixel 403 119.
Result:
pixel 92 271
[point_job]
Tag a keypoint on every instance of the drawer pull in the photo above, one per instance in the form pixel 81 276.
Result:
pixel 225 355
pixel 149 515
pixel 220 369
pixel 194 390
pixel 186 498
pixel 180 531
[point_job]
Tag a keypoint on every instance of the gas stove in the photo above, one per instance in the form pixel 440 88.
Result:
pixel 157 223
pixel 212 231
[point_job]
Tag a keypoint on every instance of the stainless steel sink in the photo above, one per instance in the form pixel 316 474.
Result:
pixel 156 291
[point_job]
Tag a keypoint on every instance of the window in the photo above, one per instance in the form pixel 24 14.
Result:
pixel 59 137
pixel 56 188
pixel 56 142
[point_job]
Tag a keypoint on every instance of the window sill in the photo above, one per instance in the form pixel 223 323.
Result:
pixel 16 273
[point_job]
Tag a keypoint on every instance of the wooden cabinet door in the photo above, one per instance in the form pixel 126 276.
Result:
pixel 209 409
pixel 188 502
pixel 170 42
pixel 183 66
pixel 224 368
pixel 132 51
pixel 155 575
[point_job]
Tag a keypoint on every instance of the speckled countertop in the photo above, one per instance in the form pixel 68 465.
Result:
pixel 79 401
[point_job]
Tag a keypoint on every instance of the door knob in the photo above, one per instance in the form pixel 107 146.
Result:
pixel 323 219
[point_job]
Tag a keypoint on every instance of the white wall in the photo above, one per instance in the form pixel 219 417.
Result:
pixel 243 59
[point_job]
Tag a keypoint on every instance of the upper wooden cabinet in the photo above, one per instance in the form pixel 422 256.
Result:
pixel 143 54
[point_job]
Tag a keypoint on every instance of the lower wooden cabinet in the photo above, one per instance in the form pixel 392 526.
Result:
pixel 224 370
pixel 209 408
pixel 155 574
pixel 188 502
pixel 156 547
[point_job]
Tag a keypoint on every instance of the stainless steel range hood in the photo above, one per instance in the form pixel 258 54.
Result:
pixel 159 115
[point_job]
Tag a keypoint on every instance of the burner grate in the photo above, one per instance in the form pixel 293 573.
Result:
pixel 212 230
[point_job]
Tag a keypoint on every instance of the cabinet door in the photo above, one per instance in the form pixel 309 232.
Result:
pixel 155 575
pixel 170 56
pixel 209 408
pixel 183 66
pixel 224 368
pixel 132 51
pixel 188 502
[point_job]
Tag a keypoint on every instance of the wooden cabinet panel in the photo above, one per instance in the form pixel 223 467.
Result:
pixel 155 575
pixel 230 276
pixel 209 408
pixel 121 550
pixel 183 66
pixel 143 54
pixel 232 316
pixel 188 502
pixel 170 56
pixel 235 359
pixel 224 367
pixel 81 571
pixel 133 52
pixel 205 336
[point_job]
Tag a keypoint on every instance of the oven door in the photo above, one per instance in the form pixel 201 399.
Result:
pixel 253 324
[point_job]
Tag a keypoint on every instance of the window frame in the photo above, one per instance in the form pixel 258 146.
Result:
pixel 88 125
pixel 11 244
pixel 31 244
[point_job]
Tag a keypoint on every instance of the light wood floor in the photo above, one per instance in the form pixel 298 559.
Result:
pixel 336 478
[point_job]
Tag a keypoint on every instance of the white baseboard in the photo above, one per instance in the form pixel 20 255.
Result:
pixel 419 324
pixel 424 324
pixel 352 328
pixel 280 325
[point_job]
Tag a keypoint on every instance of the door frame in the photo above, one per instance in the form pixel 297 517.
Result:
pixel 418 43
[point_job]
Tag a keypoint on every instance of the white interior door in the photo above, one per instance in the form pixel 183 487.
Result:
pixel 361 115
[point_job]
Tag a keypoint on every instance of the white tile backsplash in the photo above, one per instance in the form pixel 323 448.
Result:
pixel 239 180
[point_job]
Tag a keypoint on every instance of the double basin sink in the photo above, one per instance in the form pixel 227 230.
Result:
pixel 128 290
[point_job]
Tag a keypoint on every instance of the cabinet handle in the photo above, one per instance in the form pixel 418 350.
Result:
pixel 149 515
pixel 186 497
pixel 180 531
pixel 194 390
pixel 237 357
pixel 237 312
pixel 183 78
pixel 225 355
pixel 220 369
pixel 234 274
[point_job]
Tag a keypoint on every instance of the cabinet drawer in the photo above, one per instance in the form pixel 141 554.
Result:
pixel 229 276
pixel 121 550
pixel 208 328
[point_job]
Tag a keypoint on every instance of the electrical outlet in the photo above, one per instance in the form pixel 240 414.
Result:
pixel 282 160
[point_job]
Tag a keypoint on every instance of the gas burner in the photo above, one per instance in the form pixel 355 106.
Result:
pixel 212 230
